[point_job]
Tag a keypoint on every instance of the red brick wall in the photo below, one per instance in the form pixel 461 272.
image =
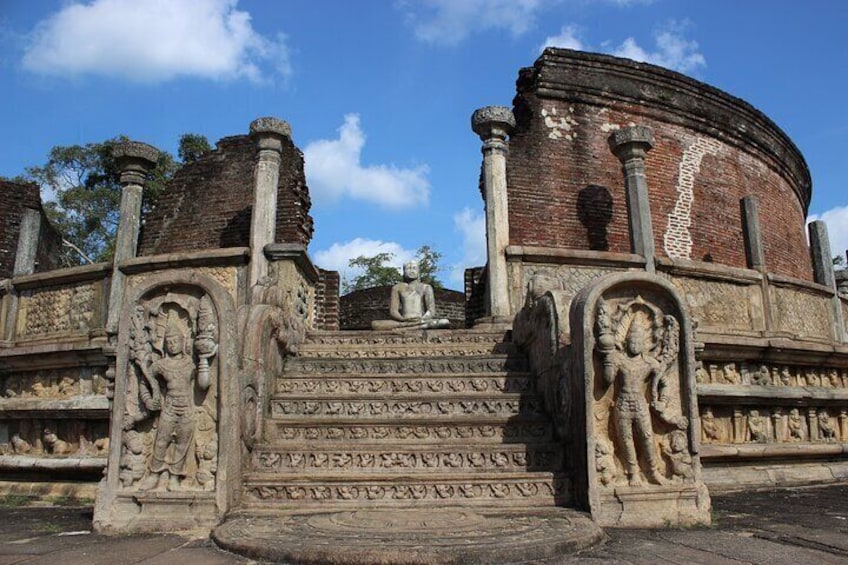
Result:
pixel 327 301
pixel 208 203
pixel 566 188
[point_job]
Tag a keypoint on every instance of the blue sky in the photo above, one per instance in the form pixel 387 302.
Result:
pixel 380 93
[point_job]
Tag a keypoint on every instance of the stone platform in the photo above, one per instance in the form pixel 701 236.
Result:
pixel 410 536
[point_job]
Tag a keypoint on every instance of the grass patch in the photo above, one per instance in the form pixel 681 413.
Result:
pixel 71 501
pixel 48 528
pixel 15 500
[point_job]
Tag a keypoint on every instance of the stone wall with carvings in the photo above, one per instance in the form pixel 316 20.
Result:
pixel 53 310
pixel 801 313
pixel 718 304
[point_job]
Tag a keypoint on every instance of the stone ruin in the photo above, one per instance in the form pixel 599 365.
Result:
pixel 651 325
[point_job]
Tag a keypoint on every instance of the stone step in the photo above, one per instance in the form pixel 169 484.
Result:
pixel 504 430
pixel 492 489
pixel 310 366
pixel 404 384
pixel 378 346
pixel 417 408
pixel 405 458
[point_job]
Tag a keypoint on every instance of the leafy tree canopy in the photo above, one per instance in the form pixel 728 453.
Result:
pixel 85 184
pixel 376 272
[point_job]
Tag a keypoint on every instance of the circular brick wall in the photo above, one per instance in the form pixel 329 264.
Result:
pixel 359 308
pixel 566 188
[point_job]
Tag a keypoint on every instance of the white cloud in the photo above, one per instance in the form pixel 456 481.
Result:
pixel 448 22
pixel 334 169
pixel 155 41
pixel 837 228
pixel 567 39
pixel 673 50
pixel 336 258
pixel 472 226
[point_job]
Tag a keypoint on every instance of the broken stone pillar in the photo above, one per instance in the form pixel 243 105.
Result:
pixel 823 273
pixel 631 145
pixel 27 249
pixel 493 124
pixel 820 252
pixel 753 235
pixel 269 134
pixel 135 160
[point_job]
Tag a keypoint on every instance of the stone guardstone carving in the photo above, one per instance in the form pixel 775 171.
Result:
pixel 412 305
pixel 170 432
pixel 632 379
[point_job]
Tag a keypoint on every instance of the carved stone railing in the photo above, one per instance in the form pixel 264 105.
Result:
pixel 56 305
pixel 726 301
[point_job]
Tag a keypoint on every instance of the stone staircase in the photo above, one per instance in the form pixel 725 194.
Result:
pixel 425 419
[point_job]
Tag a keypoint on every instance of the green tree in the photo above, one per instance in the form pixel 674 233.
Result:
pixel 84 181
pixel 192 147
pixel 375 271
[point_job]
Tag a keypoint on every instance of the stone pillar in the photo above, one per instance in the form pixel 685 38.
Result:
pixel 755 258
pixel 820 252
pixel 493 124
pixel 27 249
pixel 135 160
pixel 631 145
pixel 753 235
pixel 823 273
pixel 269 134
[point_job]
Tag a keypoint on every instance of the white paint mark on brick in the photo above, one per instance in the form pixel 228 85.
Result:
pixel 606 128
pixel 677 240
pixel 561 127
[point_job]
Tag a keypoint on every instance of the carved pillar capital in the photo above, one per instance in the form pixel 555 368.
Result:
pixel 269 133
pixel 632 142
pixel 135 160
pixel 493 124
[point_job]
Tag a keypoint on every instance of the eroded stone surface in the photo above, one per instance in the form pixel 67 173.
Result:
pixel 410 536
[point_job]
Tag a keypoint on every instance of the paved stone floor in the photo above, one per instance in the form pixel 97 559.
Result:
pixel 800 525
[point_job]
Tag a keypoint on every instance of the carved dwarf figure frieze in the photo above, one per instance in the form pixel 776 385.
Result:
pixel 762 374
pixel 170 420
pixel 56 438
pixel 412 304
pixel 639 346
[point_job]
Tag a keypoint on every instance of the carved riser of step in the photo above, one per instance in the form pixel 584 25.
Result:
pixel 297 366
pixel 403 384
pixel 446 432
pixel 412 409
pixel 368 340
pixel 542 489
pixel 400 460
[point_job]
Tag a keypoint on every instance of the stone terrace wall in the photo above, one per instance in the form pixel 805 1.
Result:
pixel 360 307
pixel 14 199
pixel 208 203
pixel 566 188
